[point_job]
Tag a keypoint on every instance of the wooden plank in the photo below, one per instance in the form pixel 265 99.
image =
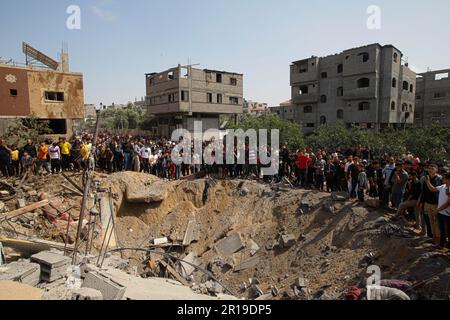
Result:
pixel 75 192
pixel 32 246
pixel 24 210
pixel 174 273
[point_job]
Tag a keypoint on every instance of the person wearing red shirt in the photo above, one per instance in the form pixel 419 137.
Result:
pixel 302 162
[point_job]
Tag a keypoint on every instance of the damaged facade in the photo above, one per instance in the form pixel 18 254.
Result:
pixel 433 98
pixel 182 95
pixel 367 86
pixel 54 95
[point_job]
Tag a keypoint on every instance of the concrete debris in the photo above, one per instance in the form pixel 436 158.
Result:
pixel 21 203
pixel 187 263
pixel 160 241
pixel 232 244
pixel 340 196
pixel 287 240
pixel 86 294
pixel 256 291
pixel 254 248
pixel 301 283
pixel 21 271
pixel 109 289
pixel 248 263
pixel 53 265
pixel 189 236
pixel 153 191
pixel 244 191
pixel 32 193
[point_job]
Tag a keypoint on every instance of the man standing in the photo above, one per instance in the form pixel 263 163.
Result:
pixel 429 202
pixel 5 159
pixel 397 182
pixel 64 146
pixel 42 159
pixel 55 158
pixel 387 171
pixel 320 172
pixel 411 201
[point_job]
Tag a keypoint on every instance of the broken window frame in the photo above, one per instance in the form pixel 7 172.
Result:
pixel 54 96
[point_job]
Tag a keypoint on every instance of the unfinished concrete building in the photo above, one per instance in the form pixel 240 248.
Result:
pixel 255 108
pixel 182 95
pixel 42 88
pixel 367 86
pixel 433 98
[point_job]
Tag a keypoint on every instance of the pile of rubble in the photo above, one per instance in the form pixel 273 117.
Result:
pixel 203 238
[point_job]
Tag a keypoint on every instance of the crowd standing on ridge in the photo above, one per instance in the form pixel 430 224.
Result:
pixel 412 186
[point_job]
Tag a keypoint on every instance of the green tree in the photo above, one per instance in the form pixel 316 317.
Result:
pixel 290 132
pixel 22 129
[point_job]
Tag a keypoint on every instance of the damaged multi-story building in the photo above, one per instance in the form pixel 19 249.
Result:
pixel 179 96
pixel 433 98
pixel 41 88
pixel 369 86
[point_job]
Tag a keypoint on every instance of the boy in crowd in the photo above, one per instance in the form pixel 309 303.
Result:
pixel 27 163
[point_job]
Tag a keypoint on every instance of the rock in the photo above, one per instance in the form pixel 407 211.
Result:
pixel 256 290
pixel 287 240
pixel 4 193
pixel 301 282
pixel 244 191
pixel 32 193
pixel 2 206
pixel 254 248
pixel 340 196
pixel 21 203
pixel 86 294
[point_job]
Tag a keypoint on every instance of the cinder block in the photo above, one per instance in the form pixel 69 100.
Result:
pixel 110 289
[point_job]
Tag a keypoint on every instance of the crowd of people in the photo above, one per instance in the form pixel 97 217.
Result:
pixel 414 187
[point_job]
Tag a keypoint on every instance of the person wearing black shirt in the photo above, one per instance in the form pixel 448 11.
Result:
pixel 5 159
pixel 414 191
pixel 30 148
pixel 353 173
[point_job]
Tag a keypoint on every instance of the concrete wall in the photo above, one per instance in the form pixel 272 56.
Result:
pixel 69 83
pixel 377 63
pixel 430 108
pixel 14 106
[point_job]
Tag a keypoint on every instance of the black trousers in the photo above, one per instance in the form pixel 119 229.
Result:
pixel 56 165
pixel 65 161
pixel 444 226
pixel 4 167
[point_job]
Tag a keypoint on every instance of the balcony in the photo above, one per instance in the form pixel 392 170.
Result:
pixel 306 98
pixel 360 94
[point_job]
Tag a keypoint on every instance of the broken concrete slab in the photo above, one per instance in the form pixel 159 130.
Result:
pixel 110 289
pixel 230 245
pixel 21 271
pixel 156 191
pixel 189 236
pixel 244 264
pixel 301 283
pixel 86 294
pixel 186 264
pixel 287 240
